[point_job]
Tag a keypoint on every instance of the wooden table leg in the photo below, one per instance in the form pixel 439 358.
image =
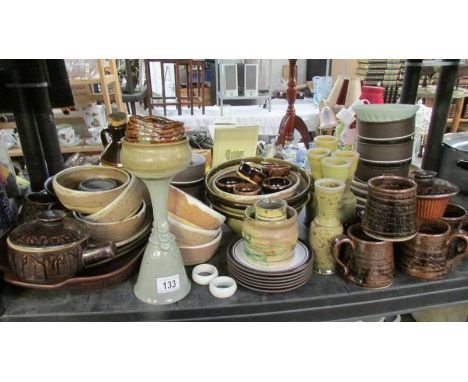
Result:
pixel 457 115
pixel 177 89
pixel 163 90
pixel 149 89
pixel 203 87
pixel 190 85
pixel 104 88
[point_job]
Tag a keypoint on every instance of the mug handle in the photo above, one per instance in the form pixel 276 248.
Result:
pixel 336 244
pixel 104 139
pixel 458 254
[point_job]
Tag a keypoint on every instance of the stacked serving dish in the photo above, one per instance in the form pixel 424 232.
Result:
pixel 273 279
pixel 233 205
pixel 384 142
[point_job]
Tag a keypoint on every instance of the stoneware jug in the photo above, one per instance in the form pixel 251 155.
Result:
pixel 116 131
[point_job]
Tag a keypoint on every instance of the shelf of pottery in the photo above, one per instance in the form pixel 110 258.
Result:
pixel 385 73
pixel 367 217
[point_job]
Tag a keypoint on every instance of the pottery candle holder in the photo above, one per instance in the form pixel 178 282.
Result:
pixel 162 278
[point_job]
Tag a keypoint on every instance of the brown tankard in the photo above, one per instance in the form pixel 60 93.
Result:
pixel 366 262
pixel 432 253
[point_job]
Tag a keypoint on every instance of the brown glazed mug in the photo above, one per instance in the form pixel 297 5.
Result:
pixel 366 262
pixel 432 253
pixel 454 215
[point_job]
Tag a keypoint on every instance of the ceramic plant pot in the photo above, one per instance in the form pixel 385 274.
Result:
pixel 427 255
pixel 326 224
pixel 391 208
pixel 432 201
pixel 327 142
pixel 52 248
pixel 269 242
pixel 366 262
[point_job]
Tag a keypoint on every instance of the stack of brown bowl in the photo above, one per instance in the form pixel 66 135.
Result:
pixel 385 143
pixel 109 201
pixel 237 184
pixel 197 227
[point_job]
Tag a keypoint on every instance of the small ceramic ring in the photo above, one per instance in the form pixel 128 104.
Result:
pixel 223 287
pixel 203 274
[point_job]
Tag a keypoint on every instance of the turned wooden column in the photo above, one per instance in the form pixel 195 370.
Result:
pixel 291 121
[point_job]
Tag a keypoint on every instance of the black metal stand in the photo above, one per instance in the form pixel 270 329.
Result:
pixel 409 90
pixel 443 99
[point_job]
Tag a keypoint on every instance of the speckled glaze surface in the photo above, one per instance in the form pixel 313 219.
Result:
pixel 267 242
pixel 326 224
pixel 431 253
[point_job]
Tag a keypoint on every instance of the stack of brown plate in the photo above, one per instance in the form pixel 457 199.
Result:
pixel 271 280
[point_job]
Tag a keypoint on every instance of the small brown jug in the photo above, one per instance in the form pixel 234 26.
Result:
pixel 116 130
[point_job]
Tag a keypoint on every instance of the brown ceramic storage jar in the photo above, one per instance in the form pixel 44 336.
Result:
pixel 391 208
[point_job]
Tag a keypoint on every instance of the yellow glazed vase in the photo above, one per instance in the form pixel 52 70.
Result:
pixel 347 208
pixel 314 156
pixel 326 224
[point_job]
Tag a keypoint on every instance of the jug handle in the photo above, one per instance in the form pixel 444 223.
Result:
pixel 458 254
pixel 104 139
pixel 336 244
pixel 104 251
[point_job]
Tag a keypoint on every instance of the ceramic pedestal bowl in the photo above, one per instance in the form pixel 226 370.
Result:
pixel 67 181
pixel 162 278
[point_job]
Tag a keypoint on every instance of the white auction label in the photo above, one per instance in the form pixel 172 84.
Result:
pixel 168 284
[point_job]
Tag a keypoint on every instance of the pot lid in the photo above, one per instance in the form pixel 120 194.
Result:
pixel 50 229
pixel 457 141
pixel 378 113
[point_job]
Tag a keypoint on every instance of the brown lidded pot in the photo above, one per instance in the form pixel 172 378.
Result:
pixel 366 262
pixel 431 254
pixel 52 248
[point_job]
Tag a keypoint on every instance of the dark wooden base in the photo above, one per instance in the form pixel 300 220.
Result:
pixel 288 124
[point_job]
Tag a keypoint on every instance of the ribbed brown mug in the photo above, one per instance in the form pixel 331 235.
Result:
pixel 365 261
pixel 391 208
pixel 432 253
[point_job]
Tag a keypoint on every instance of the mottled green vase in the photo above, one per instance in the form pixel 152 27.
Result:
pixel 326 224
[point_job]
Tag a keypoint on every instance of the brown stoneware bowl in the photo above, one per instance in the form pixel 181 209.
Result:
pixel 227 183
pixel 276 184
pixel 247 189
pixel 198 254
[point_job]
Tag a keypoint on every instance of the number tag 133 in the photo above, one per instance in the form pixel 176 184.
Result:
pixel 168 284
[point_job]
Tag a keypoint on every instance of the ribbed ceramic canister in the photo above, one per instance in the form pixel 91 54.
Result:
pixel 391 208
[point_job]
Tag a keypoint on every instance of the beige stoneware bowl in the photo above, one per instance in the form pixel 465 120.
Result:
pixel 115 231
pixel 66 183
pixel 190 234
pixel 198 254
pixel 123 206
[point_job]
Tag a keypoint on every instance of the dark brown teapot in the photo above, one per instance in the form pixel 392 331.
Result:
pixel 52 248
